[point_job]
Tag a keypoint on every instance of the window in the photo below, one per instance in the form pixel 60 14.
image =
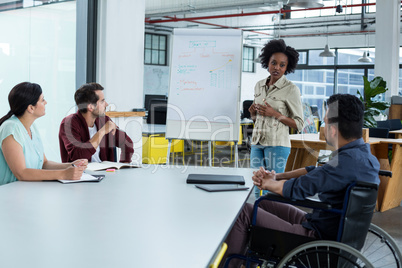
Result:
pixel 320 77
pixel 155 49
pixel 248 59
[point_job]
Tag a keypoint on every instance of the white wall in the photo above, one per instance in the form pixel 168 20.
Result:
pixel 120 61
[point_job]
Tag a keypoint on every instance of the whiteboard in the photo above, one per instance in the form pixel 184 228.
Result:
pixel 204 87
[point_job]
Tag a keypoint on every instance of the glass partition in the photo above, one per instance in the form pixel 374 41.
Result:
pixel 38 45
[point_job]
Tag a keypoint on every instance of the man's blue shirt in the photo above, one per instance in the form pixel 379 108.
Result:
pixel 350 163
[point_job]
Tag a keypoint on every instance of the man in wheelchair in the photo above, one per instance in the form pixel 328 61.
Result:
pixel 351 161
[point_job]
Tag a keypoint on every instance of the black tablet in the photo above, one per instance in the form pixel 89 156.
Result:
pixel 221 187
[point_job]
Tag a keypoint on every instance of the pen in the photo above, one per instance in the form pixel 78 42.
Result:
pixel 74 165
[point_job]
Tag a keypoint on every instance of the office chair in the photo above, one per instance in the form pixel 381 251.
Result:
pixel 378 132
pixel 149 97
pixel 157 111
pixel 246 106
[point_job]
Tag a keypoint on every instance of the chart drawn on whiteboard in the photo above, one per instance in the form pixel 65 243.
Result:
pixel 204 71
pixel 205 78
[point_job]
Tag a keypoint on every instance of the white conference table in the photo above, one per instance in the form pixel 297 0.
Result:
pixel 143 217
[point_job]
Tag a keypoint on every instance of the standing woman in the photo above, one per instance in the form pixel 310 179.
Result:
pixel 21 150
pixel 276 107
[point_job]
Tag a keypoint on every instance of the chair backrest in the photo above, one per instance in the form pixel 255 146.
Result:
pixel 378 132
pixel 395 124
pixel 157 111
pixel 383 124
pixel 391 124
pixel 360 200
pixel 246 105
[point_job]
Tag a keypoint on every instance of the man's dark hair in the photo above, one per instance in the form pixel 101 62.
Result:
pixel 347 111
pixel 86 95
pixel 275 46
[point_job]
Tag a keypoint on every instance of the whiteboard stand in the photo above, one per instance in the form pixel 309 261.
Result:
pixel 236 155
pixel 168 152
pixel 209 154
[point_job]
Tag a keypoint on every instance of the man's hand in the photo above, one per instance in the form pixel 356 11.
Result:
pixel 266 180
pixel 262 177
pixel 109 127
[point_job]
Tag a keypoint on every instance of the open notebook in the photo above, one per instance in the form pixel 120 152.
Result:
pixel 94 166
pixel 85 178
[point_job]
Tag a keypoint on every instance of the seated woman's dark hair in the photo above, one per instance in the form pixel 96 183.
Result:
pixel 20 97
pixel 275 46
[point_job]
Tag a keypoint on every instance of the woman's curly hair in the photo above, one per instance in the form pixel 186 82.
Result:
pixel 275 46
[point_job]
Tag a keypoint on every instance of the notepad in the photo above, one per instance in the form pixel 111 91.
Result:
pixel 215 179
pixel 85 178
pixel 94 166
pixel 221 187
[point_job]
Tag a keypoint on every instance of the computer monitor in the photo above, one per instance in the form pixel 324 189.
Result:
pixel 149 97
pixel 157 111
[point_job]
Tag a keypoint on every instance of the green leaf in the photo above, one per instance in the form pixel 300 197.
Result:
pixel 378 81
pixel 369 121
pixel 380 105
pixel 372 107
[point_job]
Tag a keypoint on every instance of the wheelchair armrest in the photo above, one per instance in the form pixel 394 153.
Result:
pixel 303 203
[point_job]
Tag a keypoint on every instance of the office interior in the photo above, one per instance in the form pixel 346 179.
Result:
pixel 126 47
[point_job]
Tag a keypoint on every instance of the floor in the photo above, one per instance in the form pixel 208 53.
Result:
pixel 390 221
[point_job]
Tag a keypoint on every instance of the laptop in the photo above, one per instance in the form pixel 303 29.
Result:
pixel 215 179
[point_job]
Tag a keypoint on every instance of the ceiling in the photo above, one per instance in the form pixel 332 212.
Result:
pixel 260 19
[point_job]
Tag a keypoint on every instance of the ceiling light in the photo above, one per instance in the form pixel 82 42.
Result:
pixel 305 3
pixel 365 58
pixel 366 55
pixel 327 52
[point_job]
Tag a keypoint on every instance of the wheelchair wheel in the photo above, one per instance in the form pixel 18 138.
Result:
pixel 324 253
pixel 380 248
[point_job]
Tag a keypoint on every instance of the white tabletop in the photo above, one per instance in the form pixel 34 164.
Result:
pixel 153 129
pixel 133 218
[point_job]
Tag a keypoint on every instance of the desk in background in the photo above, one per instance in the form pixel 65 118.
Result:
pixel 398 133
pixel 118 222
pixel 306 147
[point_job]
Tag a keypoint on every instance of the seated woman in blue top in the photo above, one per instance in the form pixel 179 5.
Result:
pixel 21 150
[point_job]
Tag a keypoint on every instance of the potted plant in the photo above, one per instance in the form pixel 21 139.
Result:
pixel 373 106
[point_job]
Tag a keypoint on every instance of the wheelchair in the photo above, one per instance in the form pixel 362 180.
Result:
pixel 359 243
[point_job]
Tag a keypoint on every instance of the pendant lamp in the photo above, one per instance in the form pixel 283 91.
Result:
pixel 365 57
pixel 305 3
pixel 327 52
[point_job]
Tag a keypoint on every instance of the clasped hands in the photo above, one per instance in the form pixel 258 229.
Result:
pixel 263 178
pixel 265 110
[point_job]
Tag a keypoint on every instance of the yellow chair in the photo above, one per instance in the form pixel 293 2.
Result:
pixel 154 149
pixel 224 144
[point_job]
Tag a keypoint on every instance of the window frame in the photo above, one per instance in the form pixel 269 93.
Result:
pixel 158 49
pixel 247 59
